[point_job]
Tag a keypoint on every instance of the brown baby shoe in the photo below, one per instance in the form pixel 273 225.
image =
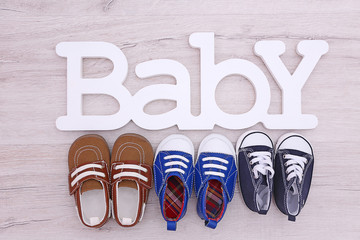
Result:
pixel 131 178
pixel 89 158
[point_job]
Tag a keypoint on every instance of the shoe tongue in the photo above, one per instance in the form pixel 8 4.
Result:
pixel 212 177
pixel 260 148
pixel 89 185
pixel 264 179
pixel 128 183
pixel 174 174
pixel 224 187
pixel 180 176
pixel 294 186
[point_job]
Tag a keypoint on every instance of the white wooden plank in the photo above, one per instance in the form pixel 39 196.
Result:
pixel 34 203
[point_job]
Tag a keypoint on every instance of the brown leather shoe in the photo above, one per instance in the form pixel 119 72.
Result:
pixel 131 178
pixel 89 160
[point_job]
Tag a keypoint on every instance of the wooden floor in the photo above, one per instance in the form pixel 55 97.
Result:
pixel 34 200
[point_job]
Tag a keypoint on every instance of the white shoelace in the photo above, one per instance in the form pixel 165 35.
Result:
pixel 130 174
pixel 87 173
pixel 263 158
pixel 295 166
pixel 214 165
pixel 171 163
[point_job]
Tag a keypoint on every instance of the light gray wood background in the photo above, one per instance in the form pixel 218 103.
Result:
pixel 34 200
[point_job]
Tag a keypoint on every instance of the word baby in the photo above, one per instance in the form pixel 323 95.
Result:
pixel 132 107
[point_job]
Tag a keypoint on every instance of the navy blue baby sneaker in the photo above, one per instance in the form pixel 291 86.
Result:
pixel 255 154
pixel 294 162
pixel 173 177
pixel 215 178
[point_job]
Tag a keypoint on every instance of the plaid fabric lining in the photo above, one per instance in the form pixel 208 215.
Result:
pixel 214 199
pixel 174 198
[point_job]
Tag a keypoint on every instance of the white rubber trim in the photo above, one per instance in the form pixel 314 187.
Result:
pixel 221 137
pixel 142 212
pixel 244 135
pixel 110 207
pixel 172 137
pixel 112 210
pixel 285 136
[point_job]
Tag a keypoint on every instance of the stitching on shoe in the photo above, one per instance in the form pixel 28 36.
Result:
pixel 142 156
pixel 311 157
pixel 155 178
pixel 233 190
pixel 128 143
pixel 83 149
pixel 188 172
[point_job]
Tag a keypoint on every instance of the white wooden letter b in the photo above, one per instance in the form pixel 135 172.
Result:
pixel 78 86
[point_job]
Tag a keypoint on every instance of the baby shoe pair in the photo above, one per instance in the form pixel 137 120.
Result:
pixel 290 178
pixel 119 184
pixel 215 177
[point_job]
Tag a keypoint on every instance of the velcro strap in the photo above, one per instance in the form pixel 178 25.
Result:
pixel 123 171
pixel 95 170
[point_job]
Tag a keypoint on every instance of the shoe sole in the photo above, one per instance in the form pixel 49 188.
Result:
pixel 221 137
pixel 282 138
pixel 244 135
pixel 172 137
pixel 285 136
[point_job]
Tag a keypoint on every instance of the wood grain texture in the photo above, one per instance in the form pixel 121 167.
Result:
pixel 34 201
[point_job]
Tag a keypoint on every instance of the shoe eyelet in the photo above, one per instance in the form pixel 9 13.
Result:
pixel 249 155
pixel 284 156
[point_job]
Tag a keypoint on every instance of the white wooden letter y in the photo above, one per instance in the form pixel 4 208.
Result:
pixel 291 85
